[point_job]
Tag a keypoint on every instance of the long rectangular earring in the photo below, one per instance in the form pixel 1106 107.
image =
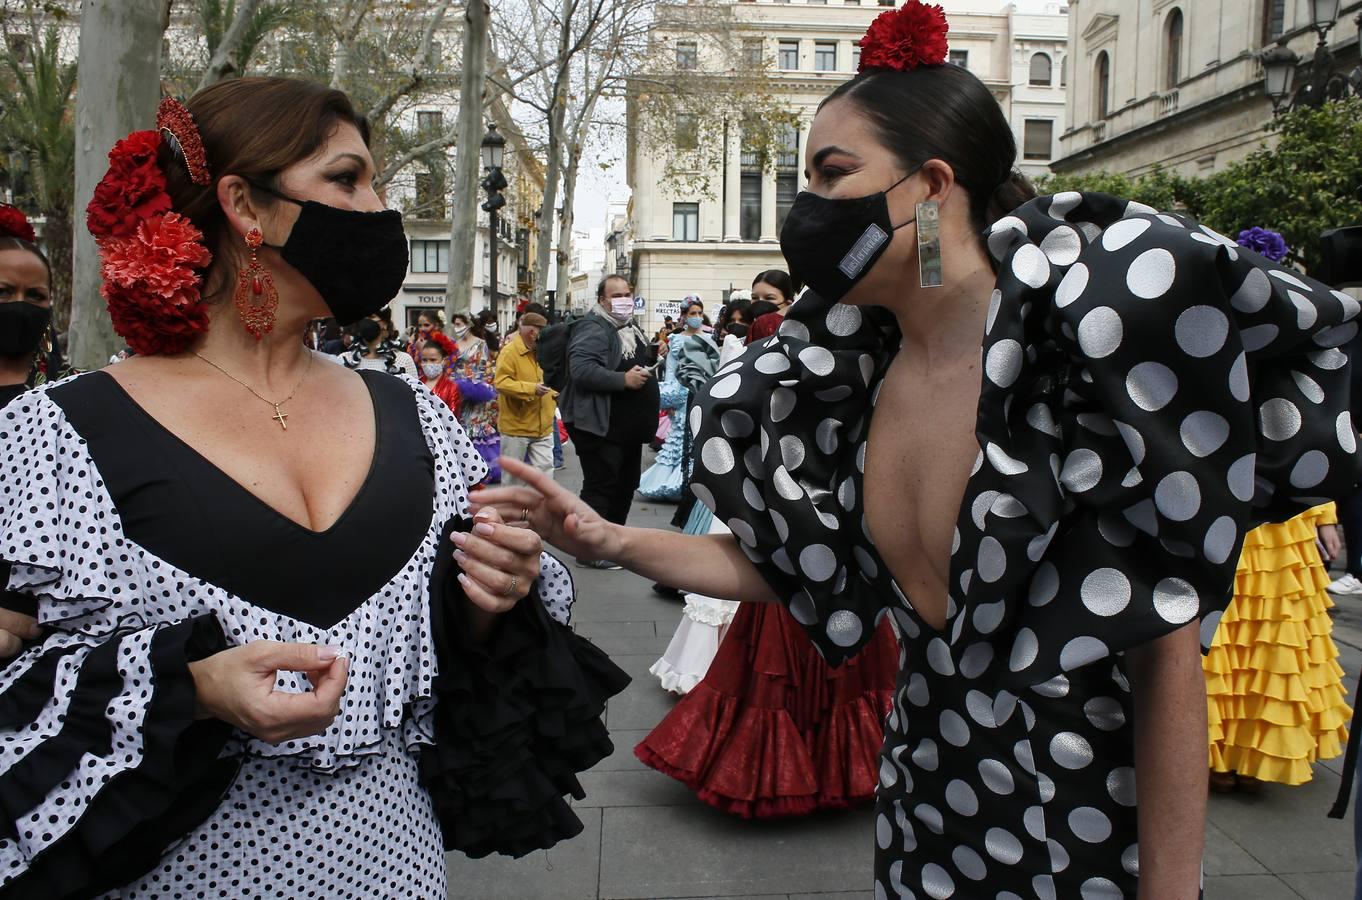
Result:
pixel 929 244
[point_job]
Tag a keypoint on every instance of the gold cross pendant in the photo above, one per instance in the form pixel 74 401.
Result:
pixel 280 416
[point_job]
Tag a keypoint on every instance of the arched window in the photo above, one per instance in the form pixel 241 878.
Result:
pixel 1040 69
pixel 1173 50
pixel 1102 84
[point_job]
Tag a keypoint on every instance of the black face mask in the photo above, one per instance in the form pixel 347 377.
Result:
pixel 22 326
pixel 368 330
pixel 738 330
pixel 356 260
pixel 831 244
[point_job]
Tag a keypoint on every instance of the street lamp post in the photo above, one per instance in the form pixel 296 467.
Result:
pixel 493 150
pixel 1280 63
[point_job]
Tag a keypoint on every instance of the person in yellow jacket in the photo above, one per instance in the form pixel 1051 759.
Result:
pixel 525 404
pixel 1274 688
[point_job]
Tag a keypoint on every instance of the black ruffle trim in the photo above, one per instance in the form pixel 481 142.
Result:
pixel 516 719
pixel 134 818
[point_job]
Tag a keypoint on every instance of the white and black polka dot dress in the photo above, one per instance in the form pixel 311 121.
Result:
pixel 1151 392
pixel 141 557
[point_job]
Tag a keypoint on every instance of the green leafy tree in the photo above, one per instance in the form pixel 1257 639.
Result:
pixel 38 128
pixel 1307 183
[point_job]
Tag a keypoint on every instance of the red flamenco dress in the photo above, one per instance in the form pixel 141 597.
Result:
pixel 773 730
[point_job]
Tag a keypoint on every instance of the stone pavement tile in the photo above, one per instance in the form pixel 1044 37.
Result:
pixel 608 605
pixel 1322 885
pixel 1285 828
pixel 625 789
pixel 1249 887
pixel 1224 857
pixel 623 644
pixel 623 759
pixel 567 872
pixel 695 851
pixel 594 630
pixel 637 665
pixel 841 895
pixel 642 705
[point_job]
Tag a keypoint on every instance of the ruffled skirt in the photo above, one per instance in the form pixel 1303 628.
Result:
pixel 664 478
pixel 772 730
pixel 1275 698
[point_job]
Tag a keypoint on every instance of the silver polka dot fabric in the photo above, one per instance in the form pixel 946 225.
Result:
pixel 1150 393
pixel 99 592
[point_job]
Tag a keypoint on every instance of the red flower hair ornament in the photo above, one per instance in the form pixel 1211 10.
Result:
pixel 442 340
pixel 13 223
pixel 906 38
pixel 151 256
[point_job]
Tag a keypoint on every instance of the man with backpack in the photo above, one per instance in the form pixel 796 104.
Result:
pixel 601 364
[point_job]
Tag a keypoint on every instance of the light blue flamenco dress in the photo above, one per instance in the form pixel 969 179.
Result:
pixel 691 361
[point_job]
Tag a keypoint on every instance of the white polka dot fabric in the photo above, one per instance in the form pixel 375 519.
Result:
pixel 106 598
pixel 1150 393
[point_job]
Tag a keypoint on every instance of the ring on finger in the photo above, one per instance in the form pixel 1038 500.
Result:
pixel 511 588
pixel 525 514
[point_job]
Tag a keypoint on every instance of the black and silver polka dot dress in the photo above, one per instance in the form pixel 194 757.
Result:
pixel 141 557
pixel 1151 392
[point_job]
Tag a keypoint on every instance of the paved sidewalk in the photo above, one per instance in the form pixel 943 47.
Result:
pixel 648 837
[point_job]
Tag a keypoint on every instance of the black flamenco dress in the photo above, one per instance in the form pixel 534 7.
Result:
pixel 1150 392
pixel 139 556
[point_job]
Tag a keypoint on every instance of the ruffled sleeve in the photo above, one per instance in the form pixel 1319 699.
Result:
pixel 1152 392
pixel 515 718
pixel 102 764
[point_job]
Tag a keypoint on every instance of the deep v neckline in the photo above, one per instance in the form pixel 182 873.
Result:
pixel 355 501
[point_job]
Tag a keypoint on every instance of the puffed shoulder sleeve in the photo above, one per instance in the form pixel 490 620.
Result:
pixel 102 762
pixel 516 718
pixel 1177 390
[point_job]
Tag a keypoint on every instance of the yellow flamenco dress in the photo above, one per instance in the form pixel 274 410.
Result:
pixel 1273 683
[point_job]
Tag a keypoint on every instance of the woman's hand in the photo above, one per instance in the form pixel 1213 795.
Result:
pixel 555 513
pixel 238 687
pixel 499 563
pixel 15 628
pixel 1330 541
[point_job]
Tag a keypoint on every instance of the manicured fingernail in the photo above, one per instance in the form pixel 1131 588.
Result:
pixel 459 538
pixel 464 580
pixel 484 529
pixel 327 653
pixel 460 557
pixel 482 514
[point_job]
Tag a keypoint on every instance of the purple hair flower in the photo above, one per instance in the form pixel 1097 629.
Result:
pixel 1265 242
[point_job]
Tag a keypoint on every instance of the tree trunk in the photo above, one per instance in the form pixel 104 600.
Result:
pixel 463 230
pixel 226 57
pixel 118 69
pixel 546 215
pixel 564 285
pixel 57 234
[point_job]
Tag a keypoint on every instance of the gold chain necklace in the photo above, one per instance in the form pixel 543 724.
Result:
pixel 279 415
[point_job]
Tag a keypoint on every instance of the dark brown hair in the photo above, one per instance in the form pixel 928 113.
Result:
pixel 946 113
pixel 254 128
pixel 778 279
pixel 600 287
pixel 10 242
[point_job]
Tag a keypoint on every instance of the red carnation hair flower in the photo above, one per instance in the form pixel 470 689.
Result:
pixel 132 191
pixel 13 223
pixel 440 339
pixel 904 39
pixel 152 285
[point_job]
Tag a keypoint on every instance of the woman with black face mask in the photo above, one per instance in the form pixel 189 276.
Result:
pixel 271 614
pixel 1033 432
pixel 376 350
pixel 25 306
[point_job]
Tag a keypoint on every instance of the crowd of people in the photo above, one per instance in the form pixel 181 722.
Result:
pixel 956 514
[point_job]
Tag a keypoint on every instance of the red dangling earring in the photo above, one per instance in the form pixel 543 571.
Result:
pixel 255 298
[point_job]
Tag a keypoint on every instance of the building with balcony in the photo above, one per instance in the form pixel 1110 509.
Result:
pixel 682 241
pixel 1179 84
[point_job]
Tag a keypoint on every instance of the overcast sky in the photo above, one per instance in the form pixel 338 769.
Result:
pixel 597 186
